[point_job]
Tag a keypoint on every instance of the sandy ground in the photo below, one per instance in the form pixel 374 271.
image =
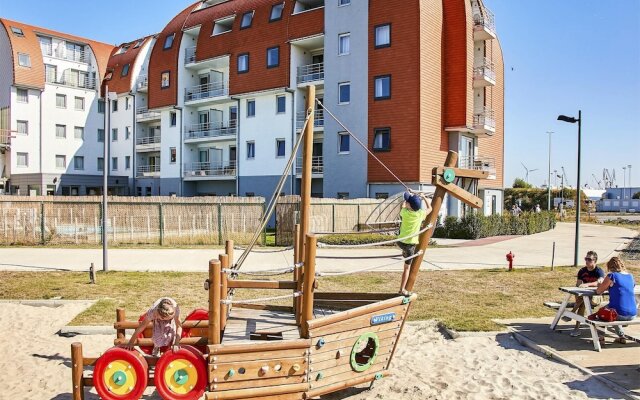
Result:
pixel 427 366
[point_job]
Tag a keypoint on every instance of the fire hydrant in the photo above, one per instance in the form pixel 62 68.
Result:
pixel 510 257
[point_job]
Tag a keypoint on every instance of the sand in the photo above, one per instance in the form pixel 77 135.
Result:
pixel 426 366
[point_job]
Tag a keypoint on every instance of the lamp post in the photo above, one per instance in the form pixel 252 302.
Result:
pixel 549 175
pixel 630 187
pixel 624 182
pixel 573 120
pixel 105 177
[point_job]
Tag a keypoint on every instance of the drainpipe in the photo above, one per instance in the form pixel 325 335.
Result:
pixel 181 144
pixel 133 145
pixel 293 135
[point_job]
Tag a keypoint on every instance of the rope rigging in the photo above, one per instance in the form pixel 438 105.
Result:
pixel 356 246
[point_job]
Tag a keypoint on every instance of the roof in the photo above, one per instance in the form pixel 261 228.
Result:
pixel 118 83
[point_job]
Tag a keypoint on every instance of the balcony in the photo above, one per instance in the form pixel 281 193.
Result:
pixel 189 55
pixel 148 143
pixel 142 85
pixel 210 171
pixel 144 115
pixel 63 53
pixel 148 171
pixel 318 121
pixel 484 27
pixel 72 79
pixel 484 75
pixel 479 163
pixel 209 131
pixel 310 74
pixel 317 166
pixel 484 122
pixel 207 93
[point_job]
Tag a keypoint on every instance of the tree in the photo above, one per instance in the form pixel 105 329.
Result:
pixel 519 183
pixel 636 195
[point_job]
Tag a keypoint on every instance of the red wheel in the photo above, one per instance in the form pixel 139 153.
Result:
pixel 198 314
pixel 147 333
pixel 120 374
pixel 181 375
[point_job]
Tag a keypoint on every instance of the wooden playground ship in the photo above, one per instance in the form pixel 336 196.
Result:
pixel 324 342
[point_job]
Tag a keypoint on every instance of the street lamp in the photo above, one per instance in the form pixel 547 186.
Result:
pixel 549 175
pixel 573 120
pixel 630 187
pixel 624 181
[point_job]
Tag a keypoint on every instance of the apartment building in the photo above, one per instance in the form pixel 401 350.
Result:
pixel 51 113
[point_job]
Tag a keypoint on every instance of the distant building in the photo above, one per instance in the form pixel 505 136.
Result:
pixel 619 200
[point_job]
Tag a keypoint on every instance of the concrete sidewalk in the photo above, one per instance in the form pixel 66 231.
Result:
pixel 530 251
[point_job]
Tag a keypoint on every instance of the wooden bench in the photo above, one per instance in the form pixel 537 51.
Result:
pixel 602 325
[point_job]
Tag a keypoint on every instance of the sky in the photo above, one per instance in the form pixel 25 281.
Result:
pixel 560 57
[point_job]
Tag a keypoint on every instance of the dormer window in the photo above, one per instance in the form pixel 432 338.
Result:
pixel 223 25
pixel 138 43
pixel 17 31
pixel 108 76
pixel 247 19
pixel 168 41
pixel 123 49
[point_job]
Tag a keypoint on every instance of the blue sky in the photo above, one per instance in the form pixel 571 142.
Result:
pixel 560 56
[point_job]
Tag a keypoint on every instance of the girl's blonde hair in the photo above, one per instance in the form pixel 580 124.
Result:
pixel 166 308
pixel 615 265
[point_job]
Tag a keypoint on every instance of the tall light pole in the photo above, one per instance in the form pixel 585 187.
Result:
pixel 624 182
pixel 630 194
pixel 549 175
pixel 105 177
pixel 573 120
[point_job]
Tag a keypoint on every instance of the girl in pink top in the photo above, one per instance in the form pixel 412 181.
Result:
pixel 167 329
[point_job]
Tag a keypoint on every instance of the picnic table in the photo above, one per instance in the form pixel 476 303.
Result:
pixel 564 310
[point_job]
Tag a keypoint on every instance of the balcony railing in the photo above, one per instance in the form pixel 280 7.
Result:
pixel 145 140
pixel 210 130
pixel 189 55
pixel 143 83
pixel 485 71
pixel 148 170
pixel 64 53
pixel 478 163
pixel 484 119
pixel 144 113
pixel 311 73
pixel 483 19
pixel 206 91
pixel 213 169
pixel 73 80
pixel 318 118
pixel 317 165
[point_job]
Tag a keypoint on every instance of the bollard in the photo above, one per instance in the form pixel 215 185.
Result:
pixel 510 257
pixel 92 274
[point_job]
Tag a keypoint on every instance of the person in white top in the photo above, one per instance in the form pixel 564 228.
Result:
pixel 167 328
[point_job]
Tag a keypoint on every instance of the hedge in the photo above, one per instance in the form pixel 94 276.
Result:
pixel 474 226
pixel 364 238
pixel 528 198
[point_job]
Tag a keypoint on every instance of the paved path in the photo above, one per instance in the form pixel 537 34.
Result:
pixel 533 250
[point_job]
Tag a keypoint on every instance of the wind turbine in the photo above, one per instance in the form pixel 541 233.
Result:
pixel 528 170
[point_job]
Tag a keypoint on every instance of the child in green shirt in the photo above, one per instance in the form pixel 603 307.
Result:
pixel 412 214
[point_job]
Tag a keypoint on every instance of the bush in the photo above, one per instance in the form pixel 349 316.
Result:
pixel 365 238
pixel 528 198
pixel 474 226
pixel 520 183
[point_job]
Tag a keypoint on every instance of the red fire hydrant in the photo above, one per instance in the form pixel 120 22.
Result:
pixel 510 257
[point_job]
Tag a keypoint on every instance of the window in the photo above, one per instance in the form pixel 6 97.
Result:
pixel 78 132
pixel 17 31
pixel 344 92
pixel 23 95
pixel 108 75
pixel 123 49
pixel 61 162
pixel 114 163
pixel 61 101
pixel 24 60
pixel 125 70
pixel 276 12
pixel 344 41
pixel 273 57
pixel 61 131
pixel 127 162
pixel 243 63
pixel 343 143
pixel 127 132
pixel 281 104
pixel 100 135
pixel 23 127
pixel 251 150
pixel 78 163
pixel 172 118
pixel 165 81
pixel 343 3
pixel 50 73
pixel 79 103
pixel 172 155
pixel 247 19
pixel 280 147
pixel 100 164
pixel 382 195
pixel 343 195
pixel 168 41
pixel 250 194
pixel 382 36
pixel 101 106
pixel 223 25
pixel 251 108
pixel 382 87
pixel 127 103
pixel 22 159
pixel 381 139
pixel 114 134
pixel 307 5
pixel 114 105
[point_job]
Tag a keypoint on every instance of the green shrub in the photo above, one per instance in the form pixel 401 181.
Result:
pixel 365 238
pixel 475 226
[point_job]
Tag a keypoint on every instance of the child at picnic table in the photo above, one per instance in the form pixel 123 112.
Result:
pixel 412 214
pixel 588 276
pixel 620 285
pixel 167 328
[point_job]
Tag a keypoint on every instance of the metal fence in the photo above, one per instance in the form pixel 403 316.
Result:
pixel 134 221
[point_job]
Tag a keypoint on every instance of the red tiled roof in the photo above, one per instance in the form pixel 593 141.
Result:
pixel 118 83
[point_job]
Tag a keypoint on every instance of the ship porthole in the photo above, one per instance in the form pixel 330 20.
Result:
pixel 364 352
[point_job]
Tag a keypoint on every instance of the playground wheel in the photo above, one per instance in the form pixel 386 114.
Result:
pixel 141 335
pixel 199 314
pixel 120 374
pixel 181 375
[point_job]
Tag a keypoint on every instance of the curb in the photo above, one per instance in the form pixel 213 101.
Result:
pixel 48 303
pixel 523 340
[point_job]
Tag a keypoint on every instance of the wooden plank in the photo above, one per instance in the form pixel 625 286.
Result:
pixel 463 173
pixel 257 392
pixel 308 288
pixel 458 192
pixel 354 296
pixel 379 364
pixel 394 326
pixel 362 321
pixel 77 390
pixel 286 396
pixel 285 380
pixel 214 301
pixel 253 347
pixel 341 385
pixel 219 372
pixel 265 307
pixel 384 351
pixel 342 305
pixel 259 355
pixel 333 347
pixel 191 341
pixel 341 377
pixel 135 324
pixel 254 284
